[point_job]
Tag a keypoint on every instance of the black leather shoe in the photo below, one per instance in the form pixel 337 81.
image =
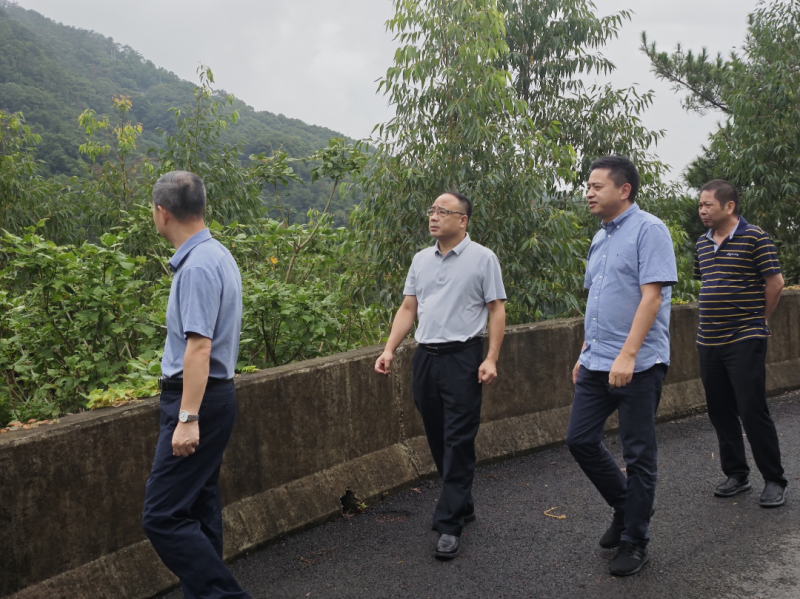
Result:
pixel 613 536
pixel 773 496
pixel 447 547
pixel 629 559
pixel 731 487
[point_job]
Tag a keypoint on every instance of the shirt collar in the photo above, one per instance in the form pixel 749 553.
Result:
pixel 459 248
pixel 182 252
pixel 739 228
pixel 617 222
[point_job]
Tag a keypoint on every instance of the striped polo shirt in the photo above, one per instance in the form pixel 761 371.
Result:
pixel 732 292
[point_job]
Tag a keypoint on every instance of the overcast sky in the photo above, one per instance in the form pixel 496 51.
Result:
pixel 317 60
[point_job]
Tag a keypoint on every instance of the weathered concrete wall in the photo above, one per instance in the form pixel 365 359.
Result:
pixel 71 493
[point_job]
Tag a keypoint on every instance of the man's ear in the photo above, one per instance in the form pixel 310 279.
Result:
pixel 163 213
pixel 626 191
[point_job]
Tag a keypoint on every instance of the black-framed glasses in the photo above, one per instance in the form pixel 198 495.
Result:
pixel 442 211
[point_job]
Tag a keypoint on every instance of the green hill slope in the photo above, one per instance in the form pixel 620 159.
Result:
pixel 52 73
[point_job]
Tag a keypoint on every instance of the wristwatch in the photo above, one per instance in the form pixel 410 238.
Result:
pixel 185 416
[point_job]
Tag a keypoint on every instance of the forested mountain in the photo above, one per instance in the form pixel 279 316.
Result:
pixel 52 73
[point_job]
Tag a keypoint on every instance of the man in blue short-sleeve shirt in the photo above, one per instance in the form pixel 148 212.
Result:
pixel 629 273
pixel 182 509
pixel 451 288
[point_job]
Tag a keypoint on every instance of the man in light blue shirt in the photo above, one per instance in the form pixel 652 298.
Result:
pixel 182 509
pixel 629 273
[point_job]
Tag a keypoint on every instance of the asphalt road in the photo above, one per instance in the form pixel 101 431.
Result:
pixel 701 546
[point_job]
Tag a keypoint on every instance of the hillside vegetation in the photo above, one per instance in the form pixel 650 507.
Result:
pixel 52 73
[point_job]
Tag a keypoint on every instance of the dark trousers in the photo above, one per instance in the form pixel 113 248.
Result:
pixel 448 396
pixel 734 377
pixel 594 401
pixel 182 507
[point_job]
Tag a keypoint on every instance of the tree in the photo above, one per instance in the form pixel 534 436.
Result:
pixel 553 45
pixel 757 145
pixel 25 197
pixel 489 101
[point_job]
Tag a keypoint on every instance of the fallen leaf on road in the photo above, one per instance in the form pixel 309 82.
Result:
pixel 561 517
pixel 415 489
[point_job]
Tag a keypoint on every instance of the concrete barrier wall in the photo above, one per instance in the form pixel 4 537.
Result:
pixel 71 494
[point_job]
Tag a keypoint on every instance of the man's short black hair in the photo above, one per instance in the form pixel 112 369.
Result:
pixel 182 193
pixel 466 205
pixel 621 171
pixel 724 192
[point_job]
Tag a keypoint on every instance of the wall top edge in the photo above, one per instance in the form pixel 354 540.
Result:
pixel 96 417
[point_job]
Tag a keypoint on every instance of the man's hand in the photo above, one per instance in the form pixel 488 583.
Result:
pixel 575 370
pixel 621 371
pixel 185 438
pixel 487 372
pixel 383 365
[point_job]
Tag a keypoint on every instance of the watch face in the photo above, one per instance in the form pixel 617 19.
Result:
pixel 183 415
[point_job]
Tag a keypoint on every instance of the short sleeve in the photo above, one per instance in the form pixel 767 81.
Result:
pixel 698 276
pixel 657 256
pixel 493 288
pixel 766 257
pixel 199 295
pixel 410 287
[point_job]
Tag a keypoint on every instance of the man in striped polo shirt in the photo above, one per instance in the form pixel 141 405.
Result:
pixel 741 285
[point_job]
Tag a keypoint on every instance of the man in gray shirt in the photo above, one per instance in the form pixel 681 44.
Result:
pixel 182 507
pixel 451 288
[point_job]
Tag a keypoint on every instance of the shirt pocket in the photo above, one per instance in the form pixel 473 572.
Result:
pixel 625 255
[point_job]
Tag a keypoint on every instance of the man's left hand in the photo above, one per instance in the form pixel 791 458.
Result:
pixel 487 373
pixel 185 438
pixel 621 371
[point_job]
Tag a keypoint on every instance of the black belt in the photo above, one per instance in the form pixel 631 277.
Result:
pixel 453 347
pixel 176 384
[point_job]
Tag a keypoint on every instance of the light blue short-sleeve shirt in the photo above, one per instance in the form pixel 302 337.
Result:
pixel 452 291
pixel 632 250
pixel 205 298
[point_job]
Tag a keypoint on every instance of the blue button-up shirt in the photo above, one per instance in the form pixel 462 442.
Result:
pixel 206 299
pixel 632 250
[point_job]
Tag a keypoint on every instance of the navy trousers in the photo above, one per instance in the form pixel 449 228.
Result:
pixel 448 396
pixel 182 507
pixel 735 380
pixel 594 401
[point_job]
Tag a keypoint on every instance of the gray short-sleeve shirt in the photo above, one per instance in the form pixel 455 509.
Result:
pixel 452 291
pixel 206 299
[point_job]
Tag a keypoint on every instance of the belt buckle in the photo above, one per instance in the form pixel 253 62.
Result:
pixel 160 383
pixel 432 350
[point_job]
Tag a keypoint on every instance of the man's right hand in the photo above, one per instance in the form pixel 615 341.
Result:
pixel 383 365
pixel 575 372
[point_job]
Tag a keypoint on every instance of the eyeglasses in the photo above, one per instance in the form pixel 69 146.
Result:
pixel 443 212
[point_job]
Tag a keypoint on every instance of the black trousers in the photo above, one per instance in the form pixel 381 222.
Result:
pixel 182 507
pixel 634 491
pixel 448 396
pixel 735 380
